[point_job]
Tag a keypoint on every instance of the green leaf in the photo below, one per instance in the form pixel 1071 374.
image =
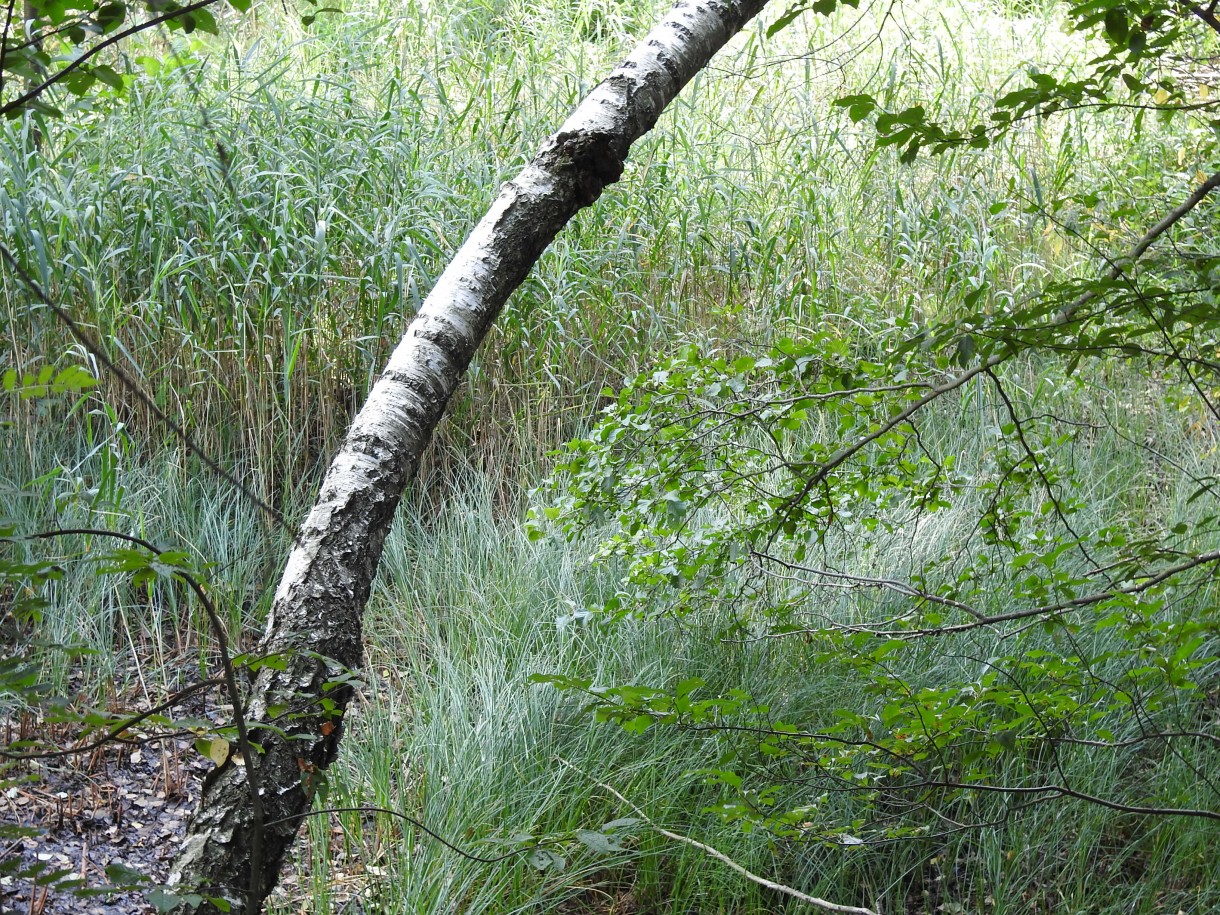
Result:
pixel 109 77
pixel 46 382
pixel 858 106
pixel 598 842
pixel 639 724
pixel 123 875
pixel 786 19
pixel 621 823
pixel 217 749
pixel 110 16
pixel 164 901
pixel 1116 25
pixel 965 350
pixel 201 19
pixel 544 859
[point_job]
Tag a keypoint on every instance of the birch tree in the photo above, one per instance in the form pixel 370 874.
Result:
pixel 248 816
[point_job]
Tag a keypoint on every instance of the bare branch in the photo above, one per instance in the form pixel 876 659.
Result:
pixel 720 856
pixel 126 724
pixel 891 584
pixel 1077 603
pixel 95 350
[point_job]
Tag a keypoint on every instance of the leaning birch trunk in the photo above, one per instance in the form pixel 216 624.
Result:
pixel 318 605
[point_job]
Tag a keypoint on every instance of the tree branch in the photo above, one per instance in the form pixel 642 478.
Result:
pixel 124 725
pixel 95 350
pixel 24 99
pixel 720 856
pixel 230 680
pixel 824 469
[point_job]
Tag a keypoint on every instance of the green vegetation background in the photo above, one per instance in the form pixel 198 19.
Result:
pixel 256 294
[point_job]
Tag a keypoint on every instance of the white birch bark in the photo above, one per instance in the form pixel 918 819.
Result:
pixel 320 599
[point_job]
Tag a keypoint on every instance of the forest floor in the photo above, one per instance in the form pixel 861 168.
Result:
pixel 106 823
pixel 122 807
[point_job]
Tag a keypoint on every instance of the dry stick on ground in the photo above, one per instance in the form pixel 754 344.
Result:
pixel 720 856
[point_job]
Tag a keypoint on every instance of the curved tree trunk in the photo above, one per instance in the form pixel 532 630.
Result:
pixel 319 602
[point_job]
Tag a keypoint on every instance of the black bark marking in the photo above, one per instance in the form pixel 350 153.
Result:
pixel 590 160
pixel 448 340
pixel 669 61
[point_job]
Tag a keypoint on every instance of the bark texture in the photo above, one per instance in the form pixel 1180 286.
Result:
pixel 326 581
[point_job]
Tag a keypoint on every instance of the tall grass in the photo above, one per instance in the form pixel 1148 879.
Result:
pixel 453 734
pixel 252 227
pixel 449 730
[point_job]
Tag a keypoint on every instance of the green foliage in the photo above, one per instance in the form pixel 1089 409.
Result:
pixel 1144 44
pixel 759 485
pixel 988 668
pixel 61 42
pixel 47 382
pixel 29 664
pixel 822 7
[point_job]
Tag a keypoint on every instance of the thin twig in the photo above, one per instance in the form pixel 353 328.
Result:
pixel 1117 269
pixel 126 724
pixel 8 25
pixel 1076 603
pixel 890 584
pixel 94 348
pixel 469 856
pixel 27 97
pixel 720 856
pixel 244 746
